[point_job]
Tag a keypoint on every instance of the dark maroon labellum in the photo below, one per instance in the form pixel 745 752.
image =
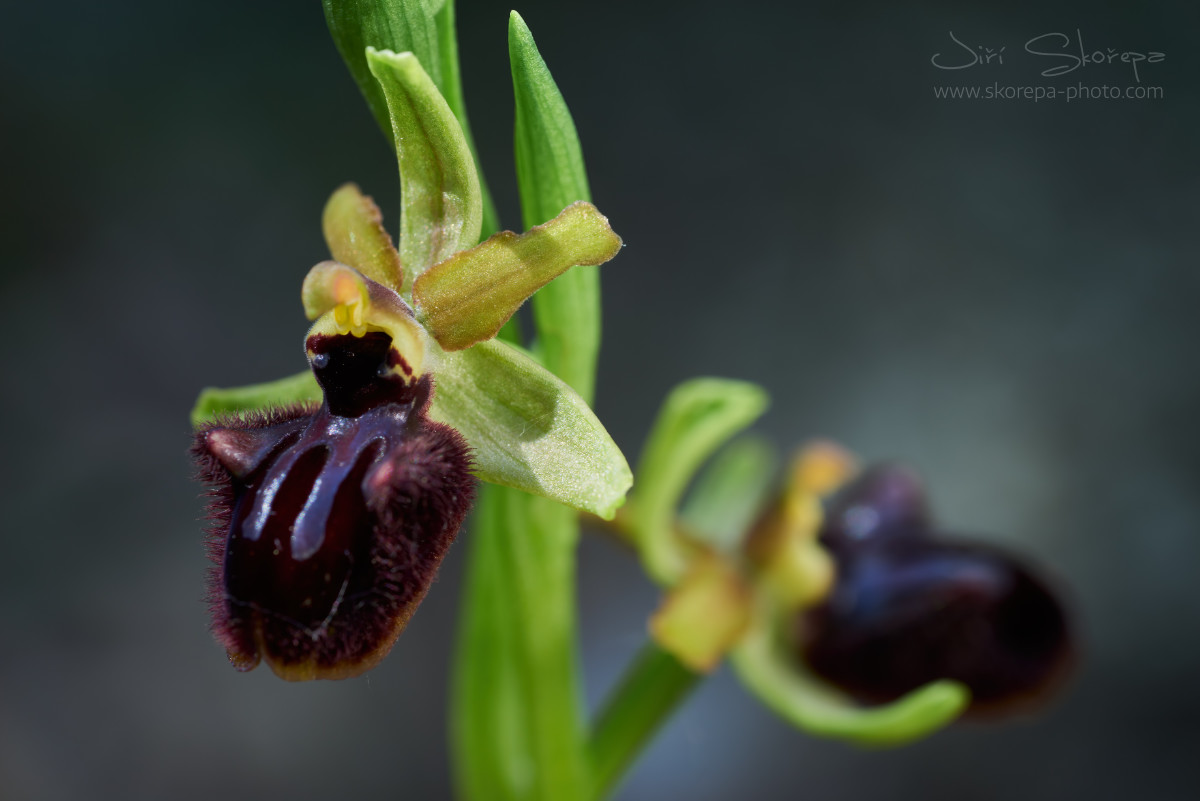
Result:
pixel 909 608
pixel 330 523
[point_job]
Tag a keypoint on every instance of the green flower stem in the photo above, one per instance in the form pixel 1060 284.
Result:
pixel 517 716
pixel 652 689
pixel 518 712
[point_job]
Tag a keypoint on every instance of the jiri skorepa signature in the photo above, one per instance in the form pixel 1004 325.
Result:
pixel 1069 54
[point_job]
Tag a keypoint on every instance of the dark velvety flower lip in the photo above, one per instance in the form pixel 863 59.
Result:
pixel 905 613
pixel 331 522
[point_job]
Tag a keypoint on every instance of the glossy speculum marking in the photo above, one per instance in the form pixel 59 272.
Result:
pixel 329 522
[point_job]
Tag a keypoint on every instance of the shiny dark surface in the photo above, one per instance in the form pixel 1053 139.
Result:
pixel 911 605
pixel 330 523
pixel 903 614
pixel 355 375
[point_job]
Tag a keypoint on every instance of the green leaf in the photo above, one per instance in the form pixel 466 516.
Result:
pixel 551 176
pixel 451 88
pixel 407 26
pixel 731 492
pixel 697 418
pixel 439 189
pixel 528 429
pixel 298 388
pixel 468 297
pixel 354 232
pixel 779 682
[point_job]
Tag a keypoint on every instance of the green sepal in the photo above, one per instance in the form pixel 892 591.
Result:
pixel 384 24
pixel 785 687
pixel 298 388
pixel 730 493
pixel 424 28
pixel 528 429
pixel 551 176
pixel 697 417
pixel 467 298
pixel 440 202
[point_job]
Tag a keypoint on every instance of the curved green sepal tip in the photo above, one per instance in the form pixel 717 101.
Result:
pixel 697 418
pixel 528 429
pixel 441 206
pixel 298 388
pixel 805 702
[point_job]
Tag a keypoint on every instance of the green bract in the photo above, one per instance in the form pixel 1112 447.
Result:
pixel 527 428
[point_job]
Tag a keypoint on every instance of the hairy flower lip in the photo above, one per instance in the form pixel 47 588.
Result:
pixel 330 522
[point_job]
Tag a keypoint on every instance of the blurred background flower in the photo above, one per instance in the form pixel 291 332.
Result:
pixel 998 293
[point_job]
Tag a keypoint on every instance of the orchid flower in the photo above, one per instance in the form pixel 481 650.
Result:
pixel 834 599
pixel 337 492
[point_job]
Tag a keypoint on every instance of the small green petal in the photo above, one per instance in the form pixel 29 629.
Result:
pixel 441 206
pixel 355 234
pixel 731 493
pixel 697 418
pixel 528 429
pixel 551 175
pixel 298 388
pixel 468 297
pixel 800 699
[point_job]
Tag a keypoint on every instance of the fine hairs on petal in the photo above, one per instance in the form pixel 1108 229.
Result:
pixel 219 497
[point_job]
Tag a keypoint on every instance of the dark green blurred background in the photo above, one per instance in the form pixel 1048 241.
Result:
pixel 1002 293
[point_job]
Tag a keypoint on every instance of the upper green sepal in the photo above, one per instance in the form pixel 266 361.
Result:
pixel 407 26
pixel 528 429
pixel 441 206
